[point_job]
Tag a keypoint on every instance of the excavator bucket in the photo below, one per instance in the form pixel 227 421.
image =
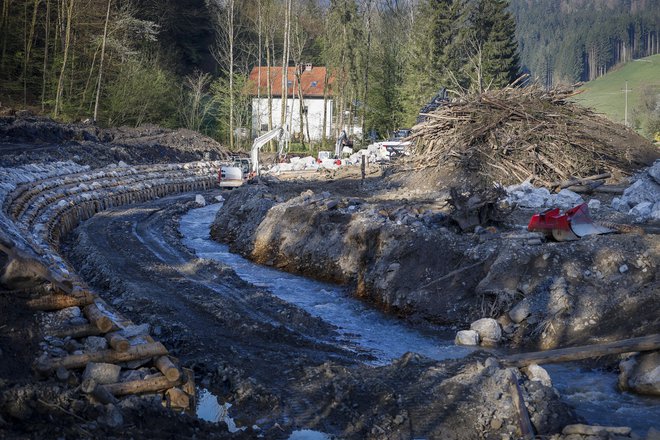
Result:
pixel 573 224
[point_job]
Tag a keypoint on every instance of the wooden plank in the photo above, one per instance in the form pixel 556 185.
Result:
pixel 644 343
pixel 524 422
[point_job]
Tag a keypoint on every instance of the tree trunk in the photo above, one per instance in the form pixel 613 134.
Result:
pixel 98 85
pixel 45 67
pixel 230 25
pixel 67 43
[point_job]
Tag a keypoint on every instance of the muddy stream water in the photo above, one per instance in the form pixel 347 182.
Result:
pixel 363 329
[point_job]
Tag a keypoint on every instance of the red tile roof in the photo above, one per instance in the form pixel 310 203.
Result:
pixel 312 81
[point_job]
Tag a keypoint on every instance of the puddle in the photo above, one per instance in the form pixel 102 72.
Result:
pixel 307 434
pixel 209 409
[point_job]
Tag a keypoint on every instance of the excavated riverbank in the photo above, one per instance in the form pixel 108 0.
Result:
pixel 410 258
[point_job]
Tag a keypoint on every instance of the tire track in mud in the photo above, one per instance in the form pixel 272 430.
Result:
pixel 132 253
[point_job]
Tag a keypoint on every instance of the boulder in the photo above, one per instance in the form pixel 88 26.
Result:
pixel 641 374
pixel 644 190
pixel 467 337
pixel 538 374
pixel 488 329
pixel 567 199
pixel 520 311
pixel 654 172
pixel 641 211
pixel 102 373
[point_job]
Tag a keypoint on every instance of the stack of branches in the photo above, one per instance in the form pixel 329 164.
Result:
pixel 514 134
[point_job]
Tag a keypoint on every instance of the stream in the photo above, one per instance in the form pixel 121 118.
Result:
pixel 592 393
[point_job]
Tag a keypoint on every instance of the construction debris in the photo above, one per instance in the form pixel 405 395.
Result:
pixel 527 134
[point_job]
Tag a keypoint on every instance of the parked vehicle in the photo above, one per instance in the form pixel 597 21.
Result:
pixel 234 174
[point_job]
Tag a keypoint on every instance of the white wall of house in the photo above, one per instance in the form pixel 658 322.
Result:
pixel 314 116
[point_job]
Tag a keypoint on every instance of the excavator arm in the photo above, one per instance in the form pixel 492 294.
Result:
pixel 262 140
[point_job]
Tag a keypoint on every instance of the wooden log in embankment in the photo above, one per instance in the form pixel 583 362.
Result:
pixel 98 318
pixel 167 367
pixel 644 343
pixel 144 386
pixel 75 331
pixel 177 398
pixel 59 301
pixel 118 342
pixel 135 352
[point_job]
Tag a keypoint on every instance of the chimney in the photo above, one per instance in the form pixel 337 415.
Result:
pixel 308 67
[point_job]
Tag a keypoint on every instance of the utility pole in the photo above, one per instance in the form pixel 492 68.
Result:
pixel 625 114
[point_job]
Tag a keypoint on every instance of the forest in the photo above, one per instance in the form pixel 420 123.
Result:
pixel 186 63
pixel 566 41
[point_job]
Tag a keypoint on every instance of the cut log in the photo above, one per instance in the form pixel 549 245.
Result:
pixel 109 356
pixel 610 189
pixel 76 331
pixel 96 317
pixel 177 398
pixel 59 302
pixel 118 342
pixel 644 343
pixel 151 385
pixel 579 181
pixel 587 187
pixel 167 367
pixel 526 427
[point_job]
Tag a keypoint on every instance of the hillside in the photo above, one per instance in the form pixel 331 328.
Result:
pixel 605 94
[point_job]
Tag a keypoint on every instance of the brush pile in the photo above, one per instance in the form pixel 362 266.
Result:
pixel 514 134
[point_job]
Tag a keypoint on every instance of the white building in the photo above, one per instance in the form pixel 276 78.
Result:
pixel 313 86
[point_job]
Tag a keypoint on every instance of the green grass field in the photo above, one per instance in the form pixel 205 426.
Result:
pixel 605 94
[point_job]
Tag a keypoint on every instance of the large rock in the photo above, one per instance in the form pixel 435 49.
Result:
pixel 467 337
pixel 520 311
pixel 537 373
pixel 644 190
pixel 641 374
pixel 654 172
pixel 489 330
pixel 102 373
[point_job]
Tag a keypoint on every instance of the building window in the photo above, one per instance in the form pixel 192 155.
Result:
pixel 315 83
pixel 264 127
pixel 305 110
pixel 289 83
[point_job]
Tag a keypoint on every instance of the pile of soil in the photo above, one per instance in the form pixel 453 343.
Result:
pixel 29 139
pixel 514 134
